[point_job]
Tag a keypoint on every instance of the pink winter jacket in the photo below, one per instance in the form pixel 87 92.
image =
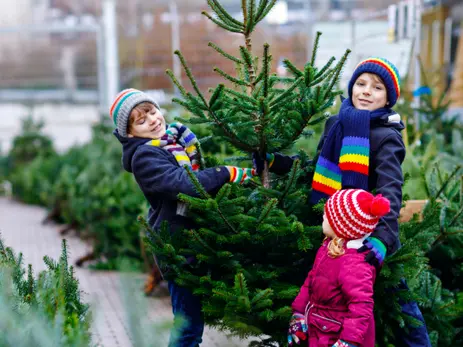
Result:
pixel 337 299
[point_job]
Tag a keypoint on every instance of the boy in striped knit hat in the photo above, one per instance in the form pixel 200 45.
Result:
pixel 362 147
pixel 334 307
pixel 157 155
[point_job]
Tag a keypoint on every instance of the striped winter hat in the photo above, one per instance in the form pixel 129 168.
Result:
pixel 123 105
pixel 384 69
pixel 354 213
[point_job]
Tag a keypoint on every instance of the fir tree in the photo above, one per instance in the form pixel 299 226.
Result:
pixel 255 244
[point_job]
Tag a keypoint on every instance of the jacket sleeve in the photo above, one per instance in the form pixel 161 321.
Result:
pixel 389 158
pixel 156 174
pixel 357 278
pixel 300 303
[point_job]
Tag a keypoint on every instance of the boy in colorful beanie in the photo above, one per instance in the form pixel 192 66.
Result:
pixel 156 154
pixel 334 307
pixel 362 147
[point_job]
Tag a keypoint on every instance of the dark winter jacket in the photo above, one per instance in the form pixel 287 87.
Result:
pixel 161 179
pixel 337 299
pixel 387 152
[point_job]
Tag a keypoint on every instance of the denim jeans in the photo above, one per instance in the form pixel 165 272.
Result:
pixel 188 319
pixel 415 337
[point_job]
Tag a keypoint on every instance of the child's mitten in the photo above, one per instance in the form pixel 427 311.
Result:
pixel 240 175
pixel 258 161
pixel 297 329
pixel 377 251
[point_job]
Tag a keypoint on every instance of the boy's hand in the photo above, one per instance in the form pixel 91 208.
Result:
pixel 377 251
pixel 297 329
pixel 258 161
pixel 342 343
pixel 240 175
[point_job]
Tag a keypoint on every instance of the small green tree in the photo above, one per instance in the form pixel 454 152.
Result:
pixel 49 307
pixel 255 244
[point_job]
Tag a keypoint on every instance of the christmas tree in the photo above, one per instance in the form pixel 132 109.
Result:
pixel 255 243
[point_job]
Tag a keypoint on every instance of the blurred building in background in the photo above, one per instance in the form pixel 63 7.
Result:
pixel 63 68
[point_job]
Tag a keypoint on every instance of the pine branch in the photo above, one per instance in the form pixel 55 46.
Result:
pixel 338 69
pixel 198 186
pixel 242 96
pixel 250 20
pixel 286 94
pixel 190 76
pixel 232 137
pixel 223 15
pixel 444 186
pixel 230 78
pixel 217 93
pixel 223 25
pixel 321 78
pixel 219 7
pixel 226 55
pixel 269 206
pixel 315 48
pixel 226 221
pixel 309 74
pixel 457 216
pixel 290 181
pixel 265 70
pixel 243 107
pixel 325 68
pixel 176 82
pixel 292 68
pixel 194 236
pixel 266 10
pixel 247 58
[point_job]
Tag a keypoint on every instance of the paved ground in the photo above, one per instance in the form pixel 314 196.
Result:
pixel 21 229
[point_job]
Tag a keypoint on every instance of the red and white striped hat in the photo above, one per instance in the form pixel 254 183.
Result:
pixel 354 213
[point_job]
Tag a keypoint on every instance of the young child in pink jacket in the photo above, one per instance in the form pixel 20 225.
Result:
pixel 334 307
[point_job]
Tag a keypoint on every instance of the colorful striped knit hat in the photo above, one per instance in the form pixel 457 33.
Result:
pixel 384 69
pixel 123 105
pixel 354 213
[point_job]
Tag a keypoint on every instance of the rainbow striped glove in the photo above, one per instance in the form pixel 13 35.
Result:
pixel 297 329
pixel 342 343
pixel 240 175
pixel 377 251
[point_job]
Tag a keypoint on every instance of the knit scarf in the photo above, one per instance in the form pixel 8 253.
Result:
pixel 345 156
pixel 181 142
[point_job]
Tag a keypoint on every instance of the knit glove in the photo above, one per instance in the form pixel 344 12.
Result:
pixel 297 329
pixel 258 161
pixel 240 175
pixel 342 343
pixel 377 251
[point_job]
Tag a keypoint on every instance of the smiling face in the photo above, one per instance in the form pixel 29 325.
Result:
pixel 146 121
pixel 369 92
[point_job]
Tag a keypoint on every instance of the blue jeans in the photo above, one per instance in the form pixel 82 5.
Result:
pixel 188 319
pixel 416 336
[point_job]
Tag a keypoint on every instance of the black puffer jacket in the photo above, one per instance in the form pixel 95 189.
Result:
pixel 161 179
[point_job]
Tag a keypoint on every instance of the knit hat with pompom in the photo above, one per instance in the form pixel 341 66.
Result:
pixel 354 213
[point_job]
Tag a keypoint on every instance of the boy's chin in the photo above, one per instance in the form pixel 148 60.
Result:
pixel 157 136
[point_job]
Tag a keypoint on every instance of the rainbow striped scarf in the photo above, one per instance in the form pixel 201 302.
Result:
pixel 181 142
pixel 345 156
